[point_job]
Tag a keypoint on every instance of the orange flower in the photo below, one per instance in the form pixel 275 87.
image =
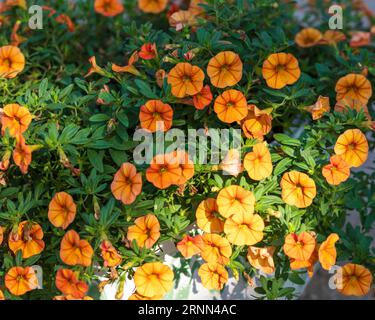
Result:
pixel 110 255
pixel 319 108
pixel 244 230
pixel 258 163
pixel 145 231
pixel 12 61
pixel 185 79
pixel 356 280
pixel 108 8
pixel 354 86
pixel 299 247
pixel 65 19
pixel 16 39
pixel 137 296
pixel 215 249
pixel 27 238
pixel 195 8
pixel 207 217
pixel 148 51
pixel 308 37
pixel 186 165
pixel 235 200
pixel 337 171
pixel 180 19
pixel 70 297
pixel 332 37
pixel 129 68
pixel 16 119
pixel 2 296
pixel 19 280
pixel 159 77
pixel 153 279
pixel 164 171
pixel 203 98
pixel 94 67
pixel 68 284
pixel 257 123
pixel 262 259
pixel 190 246
pixel 231 164
pixel 308 264
pixel 155 115
pixel 359 39
pixel 1 234
pixel 213 276
pixel 327 251
pixel 225 69
pixel 352 146
pixel 22 155
pixel 298 189
pixel 62 210
pixel 231 106
pixel 74 251
pixel 281 69
pixel 127 183
pixel 152 6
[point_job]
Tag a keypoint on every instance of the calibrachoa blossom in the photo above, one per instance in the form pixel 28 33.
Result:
pixel 19 280
pixel 208 217
pixel 215 249
pixel 152 6
pixel 185 80
pixel 258 163
pixel 257 123
pixel 155 113
pixel 110 255
pixel 231 106
pixel 354 280
pixel 153 279
pixel 74 250
pixel 327 251
pixel 213 276
pixel 225 69
pixel 28 238
pixel 355 86
pixel 281 69
pixel 12 61
pixel 68 283
pixel 190 246
pixel 145 231
pixel 262 258
pixel 337 171
pixel 308 37
pixel 16 119
pixel 62 210
pixel 108 8
pixel 127 183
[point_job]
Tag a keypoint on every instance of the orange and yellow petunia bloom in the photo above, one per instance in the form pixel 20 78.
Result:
pixel 68 283
pixel 109 254
pixel 152 6
pixel 203 98
pixel 12 62
pixel 19 280
pixel 213 276
pixel 190 246
pixel 208 217
pixel 108 8
pixel 74 250
pixel 298 189
pixel 225 69
pixel 354 280
pixel 257 123
pixel 16 119
pixel 153 279
pixel 355 86
pixel 62 210
pixel 185 80
pixel 308 37
pixel 235 200
pixel 231 106
pixel 164 171
pixel 261 258
pixel 215 249
pixel 155 115
pixel 327 251
pixel 352 146
pixel 28 238
pixel 258 163
pixel 127 183
pixel 281 69
pixel 244 229
pixel 299 247
pixel 145 231
pixel 337 171
pixel 320 107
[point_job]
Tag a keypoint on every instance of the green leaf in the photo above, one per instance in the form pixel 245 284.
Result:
pixel 99 117
pixel 286 140
pixel 145 89
pixel 282 166
pixel 96 159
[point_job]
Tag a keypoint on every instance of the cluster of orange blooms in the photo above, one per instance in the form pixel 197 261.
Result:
pixel 228 220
